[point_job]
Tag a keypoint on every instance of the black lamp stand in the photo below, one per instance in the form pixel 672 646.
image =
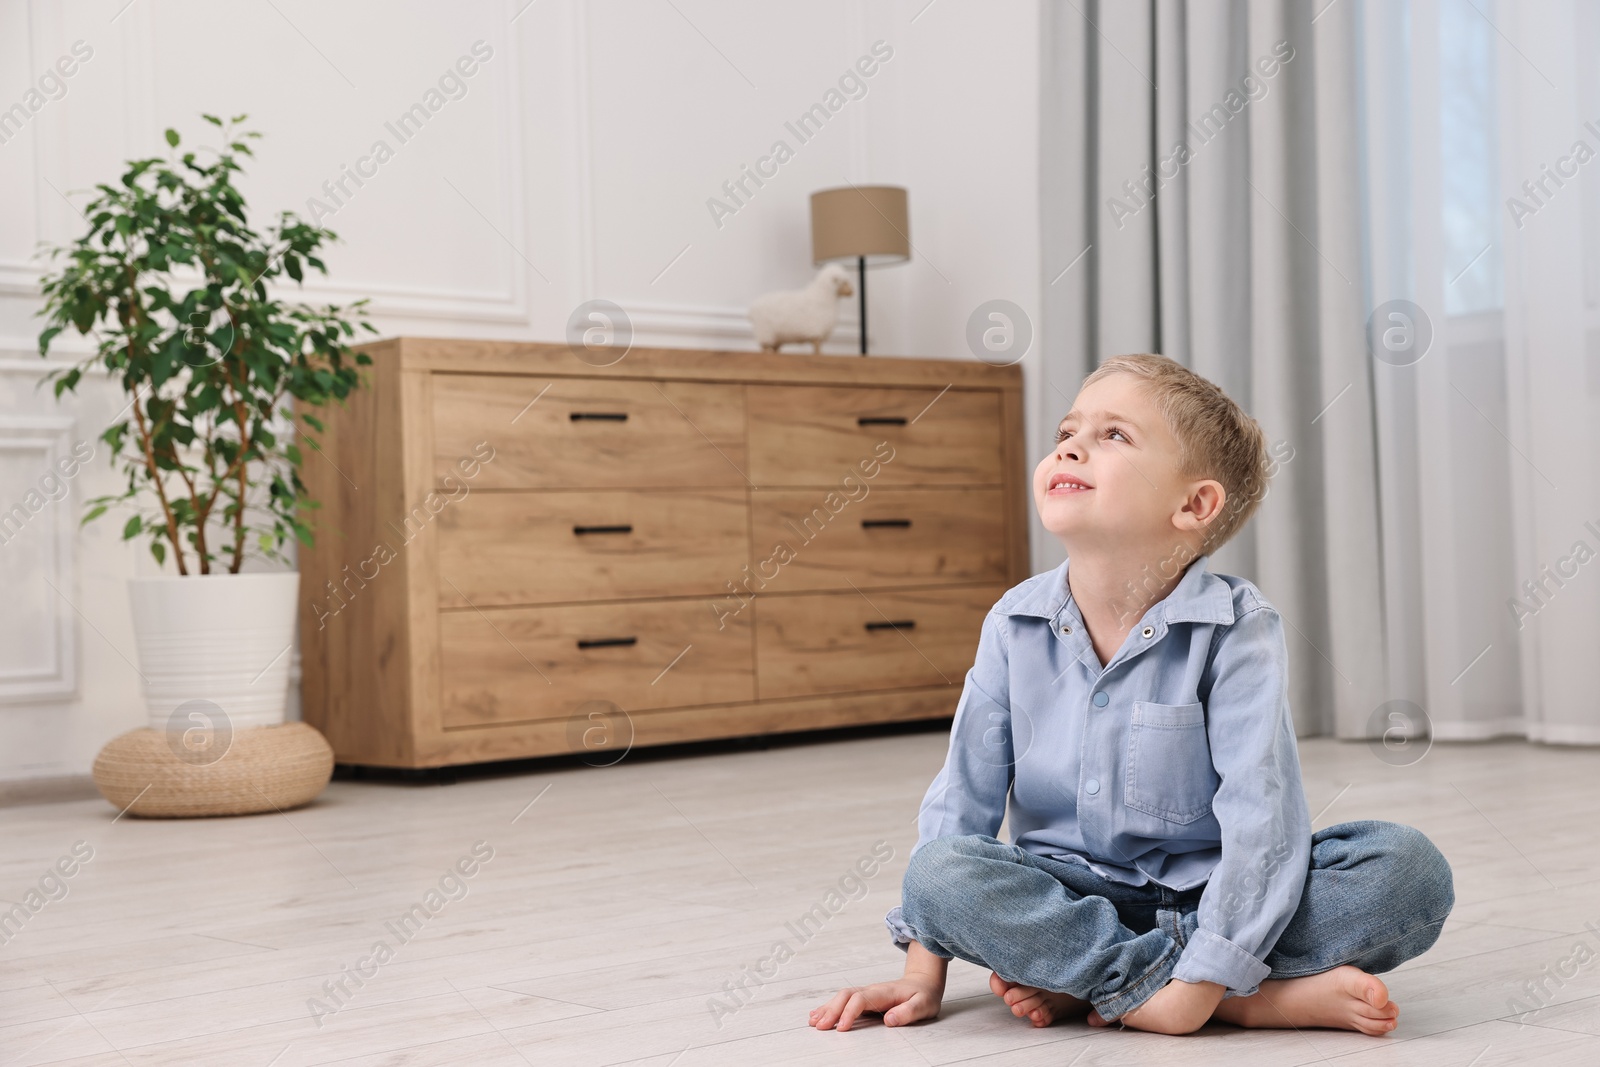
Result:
pixel 861 266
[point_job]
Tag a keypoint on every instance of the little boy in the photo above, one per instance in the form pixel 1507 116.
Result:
pixel 1133 705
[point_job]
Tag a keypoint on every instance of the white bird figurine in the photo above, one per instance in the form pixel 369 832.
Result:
pixel 801 315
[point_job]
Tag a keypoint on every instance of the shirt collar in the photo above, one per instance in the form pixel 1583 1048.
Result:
pixel 1199 596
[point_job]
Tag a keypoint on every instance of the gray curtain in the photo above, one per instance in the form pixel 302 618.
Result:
pixel 1246 265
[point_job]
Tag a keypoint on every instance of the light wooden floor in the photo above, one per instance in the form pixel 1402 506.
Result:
pixel 622 900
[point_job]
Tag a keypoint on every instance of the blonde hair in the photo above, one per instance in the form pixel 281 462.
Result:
pixel 1216 439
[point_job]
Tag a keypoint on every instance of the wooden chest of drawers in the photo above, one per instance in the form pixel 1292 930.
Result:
pixel 521 554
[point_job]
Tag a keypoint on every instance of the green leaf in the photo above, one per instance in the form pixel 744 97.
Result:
pixel 47 336
pixel 158 549
pixel 94 513
pixel 172 138
pixel 131 530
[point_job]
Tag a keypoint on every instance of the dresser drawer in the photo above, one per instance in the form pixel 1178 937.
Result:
pixel 501 548
pixel 576 433
pixel 893 536
pixel 818 643
pixel 528 664
pixel 815 435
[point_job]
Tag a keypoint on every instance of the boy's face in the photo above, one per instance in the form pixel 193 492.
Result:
pixel 1113 479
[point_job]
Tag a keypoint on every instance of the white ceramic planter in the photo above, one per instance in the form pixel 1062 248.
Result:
pixel 223 638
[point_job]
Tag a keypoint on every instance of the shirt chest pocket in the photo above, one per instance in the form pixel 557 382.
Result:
pixel 1169 770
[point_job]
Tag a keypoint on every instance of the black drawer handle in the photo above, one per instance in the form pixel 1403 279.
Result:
pixel 606 642
pixel 867 524
pixel 599 416
pixel 881 420
pixel 581 530
pixel 905 624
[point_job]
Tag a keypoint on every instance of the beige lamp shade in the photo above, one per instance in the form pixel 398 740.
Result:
pixel 860 220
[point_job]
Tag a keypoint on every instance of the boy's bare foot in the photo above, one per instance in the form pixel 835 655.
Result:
pixel 1345 998
pixel 1039 1006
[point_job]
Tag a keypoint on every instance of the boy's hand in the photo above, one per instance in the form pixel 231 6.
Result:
pixel 902 1001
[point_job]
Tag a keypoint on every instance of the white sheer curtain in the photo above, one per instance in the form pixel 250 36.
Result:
pixel 1429 537
pixel 1487 443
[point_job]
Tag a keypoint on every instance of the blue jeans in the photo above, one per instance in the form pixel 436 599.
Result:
pixel 1376 895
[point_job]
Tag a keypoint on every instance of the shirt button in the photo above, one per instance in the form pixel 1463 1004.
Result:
pixel 1092 786
pixel 1101 699
pixel 1148 631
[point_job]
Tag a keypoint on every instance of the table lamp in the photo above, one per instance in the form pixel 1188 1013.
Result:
pixel 866 223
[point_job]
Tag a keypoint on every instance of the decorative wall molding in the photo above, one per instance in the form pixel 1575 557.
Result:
pixel 49 438
pixel 509 305
pixel 20 355
pixel 21 280
pixel 419 303
pixel 694 323
pixel 18 279
pixel 581 154
pixel 717 322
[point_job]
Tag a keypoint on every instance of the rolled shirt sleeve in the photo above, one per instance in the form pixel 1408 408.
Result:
pixel 901 933
pixel 968 796
pixel 1260 805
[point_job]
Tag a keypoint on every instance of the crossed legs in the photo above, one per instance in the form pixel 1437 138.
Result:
pixel 1376 895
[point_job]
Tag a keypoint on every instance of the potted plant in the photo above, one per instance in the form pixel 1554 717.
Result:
pixel 172 282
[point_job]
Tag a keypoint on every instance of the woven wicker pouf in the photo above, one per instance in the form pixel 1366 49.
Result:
pixel 265 768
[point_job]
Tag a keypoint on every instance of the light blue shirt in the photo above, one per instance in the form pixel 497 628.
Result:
pixel 1175 763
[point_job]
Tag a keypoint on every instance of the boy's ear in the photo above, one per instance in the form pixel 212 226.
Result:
pixel 1203 505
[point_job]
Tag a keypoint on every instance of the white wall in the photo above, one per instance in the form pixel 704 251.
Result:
pixel 577 165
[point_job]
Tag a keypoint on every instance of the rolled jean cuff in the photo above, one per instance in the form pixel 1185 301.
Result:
pixel 1210 957
pixel 1135 993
